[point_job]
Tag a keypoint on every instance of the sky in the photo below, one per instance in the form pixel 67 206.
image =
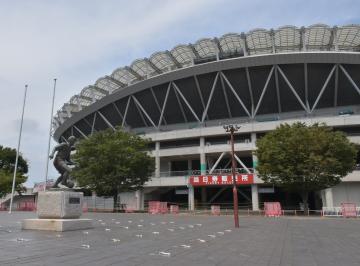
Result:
pixel 78 42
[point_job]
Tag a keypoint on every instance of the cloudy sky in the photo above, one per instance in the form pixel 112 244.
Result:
pixel 80 41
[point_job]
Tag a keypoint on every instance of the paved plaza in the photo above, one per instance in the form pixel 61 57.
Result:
pixel 142 239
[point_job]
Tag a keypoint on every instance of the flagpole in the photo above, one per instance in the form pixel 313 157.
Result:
pixel 17 151
pixel 48 149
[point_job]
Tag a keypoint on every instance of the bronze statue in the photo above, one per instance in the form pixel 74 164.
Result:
pixel 62 161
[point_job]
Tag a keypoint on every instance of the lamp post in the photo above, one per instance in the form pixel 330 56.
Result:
pixel 233 128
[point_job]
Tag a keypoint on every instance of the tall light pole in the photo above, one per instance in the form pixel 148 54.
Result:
pixel 233 128
pixel 17 150
pixel 49 140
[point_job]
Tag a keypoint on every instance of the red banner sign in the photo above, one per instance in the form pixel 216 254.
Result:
pixel 207 180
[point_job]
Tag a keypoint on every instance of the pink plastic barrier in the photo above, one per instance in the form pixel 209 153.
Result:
pixel 215 209
pixel 348 209
pixel 174 209
pixel 154 207
pixel 26 206
pixel 163 207
pixel 272 209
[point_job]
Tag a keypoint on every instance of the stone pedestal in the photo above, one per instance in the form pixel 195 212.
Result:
pixel 59 225
pixel 58 210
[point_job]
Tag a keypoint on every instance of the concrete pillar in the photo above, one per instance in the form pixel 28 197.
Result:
pixel 139 194
pixel 202 156
pixel 189 167
pixel 157 159
pixel 255 197
pixel 191 198
pixel 329 201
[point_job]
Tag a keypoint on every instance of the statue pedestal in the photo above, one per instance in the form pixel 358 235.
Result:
pixel 58 210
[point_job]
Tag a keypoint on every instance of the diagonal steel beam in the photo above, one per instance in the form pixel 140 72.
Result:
pixel 210 98
pixel 350 79
pixel 118 111
pixel 126 111
pixel 250 90
pixel 143 110
pixel 217 162
pixel 323 88
pixel 277 90
pixel 293 90
pixel 106 121
pixel 93 124
pixel 200 94
pixel 235 94
pixel 306 83
pixel 164 105
pixel 157 103
pixel 225 96
pixel 87 122
pixel 82 133
pixel 263 91
pixel 336 85
pixel 186 102
pixel 242 164
pixel 140 113
pixel 180 105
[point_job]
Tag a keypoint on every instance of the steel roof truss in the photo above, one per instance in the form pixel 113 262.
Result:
pixel 86 122
pixel 140 113
pixel 93 124
pixel 117 82
pixel 250 90
pixel 263 91
pixel 180 104
pixel 80 132
pixel 186 102
pixel 323 88
pixel 336 84
pixel 225 96
pixel 143 110
pixel 350 79
pixel 106 121
pixel 277 90
pixel 200 94
pixel 164 104
pixel 306 83
pixel 126 111
pixel 236 95
pixel 176 62
pixel 210 97
pixel 118 111
pixel 157 103
pixel 293 90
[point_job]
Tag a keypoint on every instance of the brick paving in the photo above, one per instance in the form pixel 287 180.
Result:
pixel 142 239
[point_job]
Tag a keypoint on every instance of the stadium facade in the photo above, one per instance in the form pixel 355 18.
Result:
pixel 182 98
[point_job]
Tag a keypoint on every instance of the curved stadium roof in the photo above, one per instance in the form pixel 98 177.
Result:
pixel 318 37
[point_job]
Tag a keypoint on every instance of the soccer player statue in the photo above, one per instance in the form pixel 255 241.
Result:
pixel 62 161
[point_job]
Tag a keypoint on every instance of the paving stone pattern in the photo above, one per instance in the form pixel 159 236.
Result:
pixel 142 239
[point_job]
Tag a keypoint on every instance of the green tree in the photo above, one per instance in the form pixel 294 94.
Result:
pixel 110 162
pixel 7 166
pixel 304 158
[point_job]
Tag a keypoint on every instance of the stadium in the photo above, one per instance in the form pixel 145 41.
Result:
pixel 181 99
